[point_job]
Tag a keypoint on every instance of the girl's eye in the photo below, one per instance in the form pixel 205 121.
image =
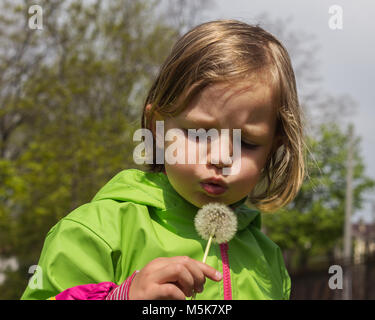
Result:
pixel 248 145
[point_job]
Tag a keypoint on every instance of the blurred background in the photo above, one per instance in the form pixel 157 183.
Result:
pixel 71 97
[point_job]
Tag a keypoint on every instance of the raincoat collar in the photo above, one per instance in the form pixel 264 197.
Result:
pixel 154 189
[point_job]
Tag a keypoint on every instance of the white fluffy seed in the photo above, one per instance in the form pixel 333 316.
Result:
pixel 218 220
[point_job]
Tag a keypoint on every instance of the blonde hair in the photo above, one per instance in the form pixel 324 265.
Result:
pixel 225 51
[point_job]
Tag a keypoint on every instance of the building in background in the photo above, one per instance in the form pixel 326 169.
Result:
pixel 364 240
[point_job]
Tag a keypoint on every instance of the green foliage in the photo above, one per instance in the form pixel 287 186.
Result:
pixel 312 225
pixel 71 99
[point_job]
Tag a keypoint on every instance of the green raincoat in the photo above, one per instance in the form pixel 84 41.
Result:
pixel 138 216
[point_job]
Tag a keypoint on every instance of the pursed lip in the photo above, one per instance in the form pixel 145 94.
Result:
pixel 217 181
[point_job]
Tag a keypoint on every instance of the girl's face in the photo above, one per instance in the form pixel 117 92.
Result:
pixel 249 107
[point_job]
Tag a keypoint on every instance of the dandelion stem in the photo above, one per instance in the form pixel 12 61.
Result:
pixel 204 258
pixel 207 248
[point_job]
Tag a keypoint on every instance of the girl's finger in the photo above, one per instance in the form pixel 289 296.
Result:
pixel 178 274
pixel 209 271
pixel 169 291
pixel 195 271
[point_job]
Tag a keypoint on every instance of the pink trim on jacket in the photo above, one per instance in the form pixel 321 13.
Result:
pixel 122 292
pixel 98 291
pixel 226 271
pixel 92 291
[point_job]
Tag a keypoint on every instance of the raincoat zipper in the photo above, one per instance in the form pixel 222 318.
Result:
pixel 226 271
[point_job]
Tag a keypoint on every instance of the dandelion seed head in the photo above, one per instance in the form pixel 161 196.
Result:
pixel 216 219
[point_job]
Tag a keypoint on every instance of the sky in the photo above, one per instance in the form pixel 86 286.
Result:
pixel 346 56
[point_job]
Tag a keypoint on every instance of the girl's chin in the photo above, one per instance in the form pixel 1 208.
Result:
pixel 204 199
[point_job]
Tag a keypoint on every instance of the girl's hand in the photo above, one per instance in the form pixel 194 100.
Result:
pixel 171 278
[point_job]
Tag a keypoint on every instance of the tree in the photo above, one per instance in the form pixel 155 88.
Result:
pixel 312 225
pixel 71 97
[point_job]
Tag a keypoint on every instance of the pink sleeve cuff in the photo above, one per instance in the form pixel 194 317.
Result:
pixel 97 291
pixel 122 291
pixel 94 291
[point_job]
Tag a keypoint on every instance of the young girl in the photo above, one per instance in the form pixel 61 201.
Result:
pixel 136 239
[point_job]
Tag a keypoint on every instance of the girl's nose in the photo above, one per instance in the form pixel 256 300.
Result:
pixel 225 148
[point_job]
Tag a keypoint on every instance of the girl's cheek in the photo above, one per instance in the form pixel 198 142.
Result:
pixel 250 164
